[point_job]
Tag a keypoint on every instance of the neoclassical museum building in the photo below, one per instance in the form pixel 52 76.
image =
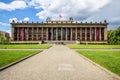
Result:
pixel 58 31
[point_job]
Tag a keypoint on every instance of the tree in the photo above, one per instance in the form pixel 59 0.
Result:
pixel 114 36
pixel 118 35
pixel 3 40
pixel 111 37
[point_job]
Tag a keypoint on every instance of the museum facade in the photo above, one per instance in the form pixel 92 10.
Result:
pixel 53 31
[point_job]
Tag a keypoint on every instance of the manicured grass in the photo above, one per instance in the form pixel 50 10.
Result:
pixel 107 59
pixel 93 46
pixel 27 46
pixel 9 56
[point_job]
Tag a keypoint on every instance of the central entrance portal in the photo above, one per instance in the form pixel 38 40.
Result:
pixel 59 33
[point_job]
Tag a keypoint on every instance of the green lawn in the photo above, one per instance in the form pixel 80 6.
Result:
pixel 9 56
pixel 27 46
pixel 93 46
pixel 107 59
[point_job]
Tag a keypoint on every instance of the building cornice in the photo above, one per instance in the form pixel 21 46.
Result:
pixel 37 23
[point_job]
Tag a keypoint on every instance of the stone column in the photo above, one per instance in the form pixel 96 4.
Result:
pixel 42 34
pixel 75 33
pixel 26 33
pixel 100 33
pixel 85 34
pixel 61 34
pixel 80 34
pixel 105 33
pixel 71 34
pixel 56 33
pixel 52 33
pixel 18 34
pixel 66 33
pixel 37 33
pixel 95 33
pixel 32 33
pixel 46 33
pixel 90 34
pixel 23 34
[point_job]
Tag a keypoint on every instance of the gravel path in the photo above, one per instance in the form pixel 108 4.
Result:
pixel 55 63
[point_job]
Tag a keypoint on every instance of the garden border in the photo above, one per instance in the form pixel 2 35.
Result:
pixel 115 76
pixel 18 61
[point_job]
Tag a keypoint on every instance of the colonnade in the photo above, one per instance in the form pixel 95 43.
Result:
pixel 59 33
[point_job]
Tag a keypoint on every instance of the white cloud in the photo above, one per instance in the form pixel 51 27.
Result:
pixel 110 12
pixel 11 19
pixel 17 20
pixel 78 9
pixel 26 19
pixel 40 3
pixel 16 4
pixel 4 24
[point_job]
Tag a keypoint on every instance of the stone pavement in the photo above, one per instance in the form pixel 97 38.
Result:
pixel 55 63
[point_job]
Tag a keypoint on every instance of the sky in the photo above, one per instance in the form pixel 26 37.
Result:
pixel 39 10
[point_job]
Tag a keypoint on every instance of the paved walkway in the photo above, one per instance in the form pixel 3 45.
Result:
pixel 56 63
pixel 72 49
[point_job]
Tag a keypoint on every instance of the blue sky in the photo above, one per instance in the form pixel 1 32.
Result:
pixel 39 10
